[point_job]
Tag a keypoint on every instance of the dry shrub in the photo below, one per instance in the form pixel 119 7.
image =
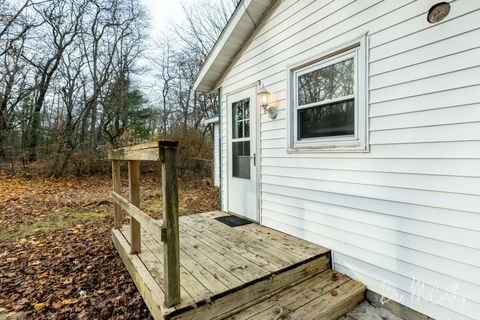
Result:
pixel 195 154
pixel 195 151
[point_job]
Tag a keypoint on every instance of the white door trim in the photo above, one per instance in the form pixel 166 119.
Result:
pixel 255 109
pixel 258 150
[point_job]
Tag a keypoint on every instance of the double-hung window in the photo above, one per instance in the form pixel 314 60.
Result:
pixel 328 102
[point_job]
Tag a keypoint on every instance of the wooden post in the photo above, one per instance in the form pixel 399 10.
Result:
pixel 118 214
pixel 170 233
pixel 134 193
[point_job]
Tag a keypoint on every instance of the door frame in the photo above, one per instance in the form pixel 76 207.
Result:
pixel 257 167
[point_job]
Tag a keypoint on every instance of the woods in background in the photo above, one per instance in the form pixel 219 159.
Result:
pixel 69 85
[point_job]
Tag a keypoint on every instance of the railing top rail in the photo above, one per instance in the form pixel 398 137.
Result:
pixel 145 152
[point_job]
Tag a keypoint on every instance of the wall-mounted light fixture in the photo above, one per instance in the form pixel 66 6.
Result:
pixel 264 97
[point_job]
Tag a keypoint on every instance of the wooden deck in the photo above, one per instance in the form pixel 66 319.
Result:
pixel 195 267
pixel 223 269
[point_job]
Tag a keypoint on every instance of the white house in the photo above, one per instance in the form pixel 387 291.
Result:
pixel 370 142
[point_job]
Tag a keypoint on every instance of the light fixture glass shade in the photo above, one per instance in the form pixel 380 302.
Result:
pixel 264 97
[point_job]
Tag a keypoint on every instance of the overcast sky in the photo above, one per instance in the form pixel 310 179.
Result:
pixel 162 14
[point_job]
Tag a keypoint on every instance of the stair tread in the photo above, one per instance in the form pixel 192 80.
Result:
pixel 326 295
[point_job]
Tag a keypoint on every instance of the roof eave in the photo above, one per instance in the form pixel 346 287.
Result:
pixel 242 23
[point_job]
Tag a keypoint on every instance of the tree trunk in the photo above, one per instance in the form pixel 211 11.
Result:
pixel 34 134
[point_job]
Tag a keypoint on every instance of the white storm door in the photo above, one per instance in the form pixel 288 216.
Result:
pixel 242 175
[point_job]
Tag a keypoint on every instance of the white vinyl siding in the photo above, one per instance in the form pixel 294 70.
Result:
pixel 410 208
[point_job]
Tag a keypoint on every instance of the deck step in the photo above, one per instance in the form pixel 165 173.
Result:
pixel 251 293
pixel 327 296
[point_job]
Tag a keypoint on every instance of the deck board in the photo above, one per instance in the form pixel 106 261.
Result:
pixel 235 246
pixel 258 246
pixel 215 268
pixel 296 246
pixel 188 280
pixel 217 261
pixel 146 285
pixel 264 243
pixel 241 274
pixel 310 299
pixel 240 262
pixel 281 296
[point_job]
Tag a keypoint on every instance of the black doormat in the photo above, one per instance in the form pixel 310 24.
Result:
pixel 233 221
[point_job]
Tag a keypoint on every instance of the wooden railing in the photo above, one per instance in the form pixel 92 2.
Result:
pixel 168 232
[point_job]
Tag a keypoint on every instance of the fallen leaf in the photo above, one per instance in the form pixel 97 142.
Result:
pixel 68 280
pixel 69 301
pixel 39 306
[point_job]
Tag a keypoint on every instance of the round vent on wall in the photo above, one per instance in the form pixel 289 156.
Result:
pixel 438 12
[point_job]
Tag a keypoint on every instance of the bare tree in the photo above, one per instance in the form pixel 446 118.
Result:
pixel 62 21
pixel 126 44
pixel 69 116
pixel 8 19
pixel 13 72
pixel 205 21
pixel 163 69
pixel 67 76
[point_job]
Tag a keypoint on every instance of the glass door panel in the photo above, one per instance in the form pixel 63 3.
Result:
pixel 241 139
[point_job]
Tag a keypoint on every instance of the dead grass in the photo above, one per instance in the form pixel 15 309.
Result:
pixel 54 222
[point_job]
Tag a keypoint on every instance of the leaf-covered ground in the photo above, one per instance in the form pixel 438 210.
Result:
pixel 56 257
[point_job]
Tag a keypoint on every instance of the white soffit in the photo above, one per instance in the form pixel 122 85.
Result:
pixel 243 22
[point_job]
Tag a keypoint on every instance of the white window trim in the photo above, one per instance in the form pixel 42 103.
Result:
pixel 358 142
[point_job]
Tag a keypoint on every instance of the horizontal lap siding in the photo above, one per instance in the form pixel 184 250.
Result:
pixel 407 212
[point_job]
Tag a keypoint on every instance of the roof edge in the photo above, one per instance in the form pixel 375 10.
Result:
pixel 201 83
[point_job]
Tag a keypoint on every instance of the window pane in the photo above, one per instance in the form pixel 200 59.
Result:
pixel 238 130
pixel 334 119
pixel 246 109
pixel 246 130
pixel 241 159
pixel 240 112
pixel 333 81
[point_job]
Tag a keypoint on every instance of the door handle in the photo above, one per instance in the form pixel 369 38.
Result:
pixel 254 157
